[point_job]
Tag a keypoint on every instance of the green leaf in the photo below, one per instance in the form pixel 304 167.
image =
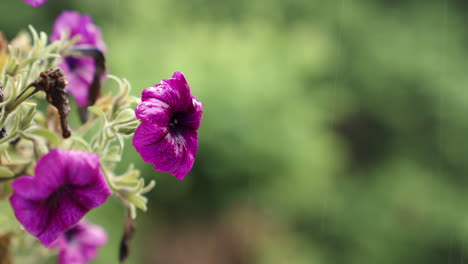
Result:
pixel 81 144
pixel 48 135
pixel 120 140
pixel 113 154
pixel 6 173
pixel 28 111
pixel 125 116
pixel 139 201
pixel 148 187
pixel 96 110
pixel 4 146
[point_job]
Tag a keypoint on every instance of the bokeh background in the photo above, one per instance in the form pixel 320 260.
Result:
pixel 334 131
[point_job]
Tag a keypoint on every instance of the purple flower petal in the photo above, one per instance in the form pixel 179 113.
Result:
pixel 168 136
pixel 67 184
pixel 169 153
pixel 174 92
pixel 35 3
pixel 155 111
pixel 80 244
pixel 78 24
pixel 80 75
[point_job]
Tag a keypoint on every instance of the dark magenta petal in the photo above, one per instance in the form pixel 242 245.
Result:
pixel 67 184
pixel 192 118
pixel 28 183
pixel 147 135
pixel 155 111
pixel 171 153
pixel 35 3
pixel 174 91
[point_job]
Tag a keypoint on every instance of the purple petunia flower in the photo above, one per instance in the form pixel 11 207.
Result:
pixel 80 244
pixel 35 3
pixel 79 70
pixel 168 135
pixel 67 184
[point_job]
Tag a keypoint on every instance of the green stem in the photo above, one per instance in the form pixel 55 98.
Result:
pixel 5 82
pixel 29 72
pixel 8 138
pixel 23 96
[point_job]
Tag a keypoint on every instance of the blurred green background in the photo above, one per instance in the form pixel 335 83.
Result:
pixel 334 131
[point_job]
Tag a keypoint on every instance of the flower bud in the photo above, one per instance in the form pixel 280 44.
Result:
pixel 129 128
pixel 125 116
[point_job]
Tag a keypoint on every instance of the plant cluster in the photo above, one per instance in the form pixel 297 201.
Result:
pixel 54 173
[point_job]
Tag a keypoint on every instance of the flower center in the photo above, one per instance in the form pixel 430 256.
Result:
pixel 72 63
pixel 71 234
pixel 174 124
pixel 54 200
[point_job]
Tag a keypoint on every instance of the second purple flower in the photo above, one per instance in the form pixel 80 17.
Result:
pixel 79 70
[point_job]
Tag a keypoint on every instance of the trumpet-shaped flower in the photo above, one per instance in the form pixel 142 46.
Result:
pixel 79 70
pixel 168 134
pixel 35 3
pixel 66 185
pixel 80 244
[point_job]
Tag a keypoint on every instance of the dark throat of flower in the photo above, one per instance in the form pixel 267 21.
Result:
pixel 71 234
pixel 176 124
pixel 173 124
pixel 72 63
pixel 181 122
pixel 56 198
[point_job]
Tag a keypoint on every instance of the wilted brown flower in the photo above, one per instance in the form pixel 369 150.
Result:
pixel 53 83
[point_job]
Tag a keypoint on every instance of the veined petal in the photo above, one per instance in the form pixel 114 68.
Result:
pixel 174 91
pixel 147 135
pixel 27 182
pixel 191 119
pixel 173 153
pixel 67 214
pixel 187 160
pixel 31 214
pixel 83 170
pixel 155 111
pixel 91 196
